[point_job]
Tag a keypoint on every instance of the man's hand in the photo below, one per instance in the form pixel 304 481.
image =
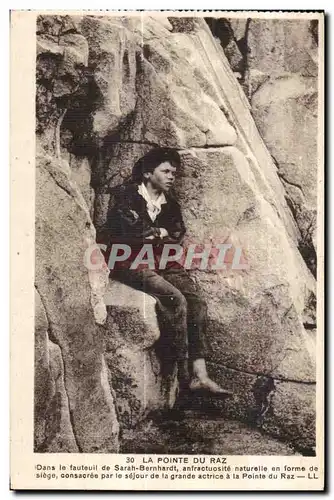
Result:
pixel 159 232
pixel 163 232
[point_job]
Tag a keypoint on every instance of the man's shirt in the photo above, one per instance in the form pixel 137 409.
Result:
pixel 153 206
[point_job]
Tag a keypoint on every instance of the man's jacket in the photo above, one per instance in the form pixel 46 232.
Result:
pixel 129 222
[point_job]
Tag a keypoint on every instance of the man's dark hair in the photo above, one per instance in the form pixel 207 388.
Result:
pixel 153 159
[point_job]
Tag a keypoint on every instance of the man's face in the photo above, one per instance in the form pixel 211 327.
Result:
pixel 163 176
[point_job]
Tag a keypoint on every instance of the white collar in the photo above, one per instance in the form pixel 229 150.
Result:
pixel 153 206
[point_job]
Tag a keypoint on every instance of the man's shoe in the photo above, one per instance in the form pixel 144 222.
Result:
pixel 208 387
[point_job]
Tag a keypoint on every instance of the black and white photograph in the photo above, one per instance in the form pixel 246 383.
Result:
pixel 178 180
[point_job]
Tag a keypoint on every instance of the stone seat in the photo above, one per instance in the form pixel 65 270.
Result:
pixel 131 331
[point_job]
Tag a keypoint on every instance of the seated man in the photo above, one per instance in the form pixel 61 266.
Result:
pixel 145 211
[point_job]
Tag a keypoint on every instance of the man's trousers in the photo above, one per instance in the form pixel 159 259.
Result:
pixel 182 312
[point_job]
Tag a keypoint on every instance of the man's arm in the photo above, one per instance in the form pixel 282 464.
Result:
pixel 175 227
pixel 134 226
pixel 125 222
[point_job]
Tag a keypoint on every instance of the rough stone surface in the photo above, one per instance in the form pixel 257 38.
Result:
pixel 62 280
pixel 281 82
pixel 282 46
pixel 291 104
pixel 255 315
pixel 81 175
pixel 277 283
pixel 265 403
pixel 278 72
pixel 199 432
pixel 108 91
pixel 287 401
pixel 58 427
pixel 53 430
pixel 141 80
pixel 43 387
pixel 132 331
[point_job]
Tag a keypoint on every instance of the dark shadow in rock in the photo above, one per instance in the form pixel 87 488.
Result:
pixel 307 452
pixel 314 28
pixel 262 390
pixel 78 120
pixel 164 347
pixel 305 243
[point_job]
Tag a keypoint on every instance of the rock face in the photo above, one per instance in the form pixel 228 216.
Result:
pixel 109 91
pixel 255 330
pixel 281 81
